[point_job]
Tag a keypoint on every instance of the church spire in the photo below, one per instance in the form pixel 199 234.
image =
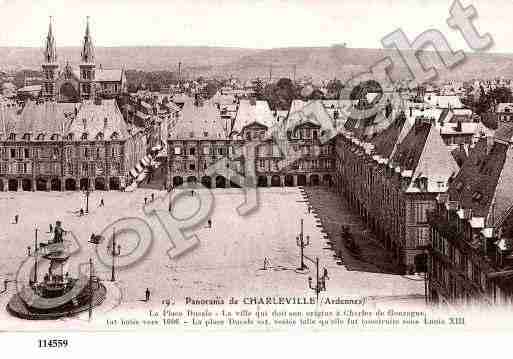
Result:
pixel 50 51
pixel 87 48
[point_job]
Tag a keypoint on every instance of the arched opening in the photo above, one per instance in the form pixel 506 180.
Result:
pixel 70 184
pixel 177 181
pixel 114 183
pixel 420 263
pixel 249 181
pixel 40 184
pixel 234 181
pixel 68 93
pixel 275 181
pixel 13 185
pixel 301 180
pixel 262 181
pixel 192 180
pixel 206 181
pixel 220 182
pixel 289 180
pixel 26 184
pixel 314 180
pixel 99 183
pixel 327 180
pixel 56 184
pixel 84 184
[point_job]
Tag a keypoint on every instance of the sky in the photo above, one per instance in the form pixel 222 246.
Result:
pixel 244 23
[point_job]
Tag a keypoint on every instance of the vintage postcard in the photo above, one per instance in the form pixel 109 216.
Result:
pixel 255 166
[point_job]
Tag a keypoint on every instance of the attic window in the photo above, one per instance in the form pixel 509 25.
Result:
pixel 114 136
pixel 70 137
pixel 84 136
pixel 191 134
pixel 41 137
pixel 54 137
pixel 477 196
pixel 99 136
pixel 205 134
pixel 12 136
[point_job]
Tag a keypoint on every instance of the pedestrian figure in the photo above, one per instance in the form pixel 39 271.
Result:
pixel 16 217
pixel 209 223
pixel 309 209
pixel 145 200
pixel 192 193
pixel 325 274
pixel 51 228
pixel 266 262
pixel 92 238
pixel 81 212
pixel 101 203
pixel 152 197
pixel 147 294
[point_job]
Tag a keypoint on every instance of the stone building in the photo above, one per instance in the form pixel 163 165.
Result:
pixel 72 84
pixel 471 235
pixel 71 145
pixel 392 177
pixel 289 153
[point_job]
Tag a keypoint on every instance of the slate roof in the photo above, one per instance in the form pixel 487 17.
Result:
pixel 424 153
pixel 45 118
pixel 94 118
pixel 252 111
pixel 313 112
pixel 194 122
pixel 476 183
pixel 385 141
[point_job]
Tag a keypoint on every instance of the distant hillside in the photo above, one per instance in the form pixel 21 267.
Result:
pixel 137 58
pixel 317 62
pixel 330 62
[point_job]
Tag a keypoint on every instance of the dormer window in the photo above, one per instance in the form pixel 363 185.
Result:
pixel 55 137
pixel 70 137
pixel 26 137
pixel 114 136
pixel 12 137
pixel 41 137
pixel 459 186
pixel 99 136
pixel 84 136
pixel 476 196
pixel 205 134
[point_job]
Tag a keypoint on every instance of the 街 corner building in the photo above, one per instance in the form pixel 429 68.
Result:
pixel 74 135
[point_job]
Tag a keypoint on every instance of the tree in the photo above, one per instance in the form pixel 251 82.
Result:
pixel 259 89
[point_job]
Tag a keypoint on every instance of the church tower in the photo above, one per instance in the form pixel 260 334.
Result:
pixel 87 67
pixel 50 66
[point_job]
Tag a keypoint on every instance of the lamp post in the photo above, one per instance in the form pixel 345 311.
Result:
pixel 114 255
pixel 87 200
pixel 301 243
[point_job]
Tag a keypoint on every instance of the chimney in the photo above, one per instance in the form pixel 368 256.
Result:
pixel 84 123
pixel 458 126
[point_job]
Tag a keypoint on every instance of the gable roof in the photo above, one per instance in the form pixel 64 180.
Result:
pixel 480 174
pixel 251 111
pixel 104 117
pixel 424 153
pixel 194 122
